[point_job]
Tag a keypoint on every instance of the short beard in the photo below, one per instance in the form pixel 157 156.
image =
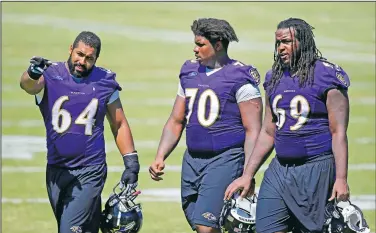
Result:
pixel 75 73
pixel 293 63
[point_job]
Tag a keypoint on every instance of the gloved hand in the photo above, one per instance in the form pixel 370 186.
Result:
pixel 129 177
pixel 37 66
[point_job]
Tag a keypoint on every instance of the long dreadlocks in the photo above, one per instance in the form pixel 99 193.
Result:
pixel 303 59
pixel 214 30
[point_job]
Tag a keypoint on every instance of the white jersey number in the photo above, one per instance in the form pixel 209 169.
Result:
pixel 61 118
pixel 208 94
pixel 299 109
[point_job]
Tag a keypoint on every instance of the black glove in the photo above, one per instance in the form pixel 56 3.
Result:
pixel 37 67
pixel 129 177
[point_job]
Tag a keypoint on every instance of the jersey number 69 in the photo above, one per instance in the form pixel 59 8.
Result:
pixel 299 110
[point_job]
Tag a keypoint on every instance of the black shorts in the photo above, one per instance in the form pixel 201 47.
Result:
pixel 75 197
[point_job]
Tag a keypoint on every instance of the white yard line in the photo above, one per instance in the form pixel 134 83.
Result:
pixel 365 202
pixel 163 35
pixel 24 147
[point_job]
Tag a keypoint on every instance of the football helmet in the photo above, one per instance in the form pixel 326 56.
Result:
pixel 344 217
pixel 121 214
pixel 238 215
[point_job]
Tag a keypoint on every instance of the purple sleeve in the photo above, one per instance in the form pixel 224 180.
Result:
pixel 115 83
pixel 330 76
pixel 186 68
pixel 109 80
pixel 267 87
pixel 245 74
pixel 268 78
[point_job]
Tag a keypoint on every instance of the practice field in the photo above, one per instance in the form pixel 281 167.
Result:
pixel 146 44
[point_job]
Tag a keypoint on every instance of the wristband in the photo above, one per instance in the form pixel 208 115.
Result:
pixel 131 162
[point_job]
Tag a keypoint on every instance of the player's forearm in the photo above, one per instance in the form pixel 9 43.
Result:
pixel 263 148
pixel 249 144
pixel 338 115
pixel 31 86
pixel 124 138
pixel 340 151
pixel 170 138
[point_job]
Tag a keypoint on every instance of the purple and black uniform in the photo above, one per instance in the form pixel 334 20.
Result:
pixel 299 180
pixel 73 114
pixel 214 135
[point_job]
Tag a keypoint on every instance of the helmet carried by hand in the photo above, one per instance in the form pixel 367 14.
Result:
pixel 121 214
pixel 239 215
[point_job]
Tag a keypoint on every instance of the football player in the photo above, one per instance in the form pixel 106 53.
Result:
pixel 74 97
pixel 306 118
pixel 219 104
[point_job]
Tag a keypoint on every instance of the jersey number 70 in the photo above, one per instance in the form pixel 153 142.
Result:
pixel 201 106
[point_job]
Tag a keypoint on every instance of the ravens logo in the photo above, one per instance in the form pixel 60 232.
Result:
pixel 255 75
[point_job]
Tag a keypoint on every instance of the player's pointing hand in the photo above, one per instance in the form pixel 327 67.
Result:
pixel 37 66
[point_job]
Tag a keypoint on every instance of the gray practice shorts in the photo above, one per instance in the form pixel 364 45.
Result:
pixel 293 196
pixel 203 184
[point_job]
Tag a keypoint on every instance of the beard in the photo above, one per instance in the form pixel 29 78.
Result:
pixel 79 74
pixel 293 61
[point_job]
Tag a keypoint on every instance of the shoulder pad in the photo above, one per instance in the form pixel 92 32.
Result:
pixel 268 80
pixel 54 70
pixel 333 73
pixel 192 62
pixel 109 78
pixel 248 71
pixel 105 70
pixel 107 74
pixel 189 69
pixel 253 72
pixel 331 65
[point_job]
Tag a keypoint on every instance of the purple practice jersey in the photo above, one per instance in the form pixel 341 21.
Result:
pixel 300 113
pixel 213 117
pixel 74 114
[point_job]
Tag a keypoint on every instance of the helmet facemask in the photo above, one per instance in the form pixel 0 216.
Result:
pixel 238 215
pixel 344 217
pixel 121 213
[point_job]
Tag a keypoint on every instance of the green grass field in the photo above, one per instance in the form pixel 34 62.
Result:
pixel 146 44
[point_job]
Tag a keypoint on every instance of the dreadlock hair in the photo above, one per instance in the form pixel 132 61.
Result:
pixel 90 39
pixel 303 58
pixel 214 30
